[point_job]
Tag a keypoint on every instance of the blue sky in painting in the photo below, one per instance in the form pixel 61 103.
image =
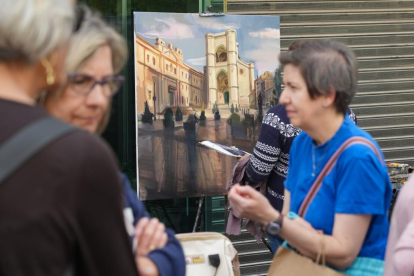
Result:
pixel 258 36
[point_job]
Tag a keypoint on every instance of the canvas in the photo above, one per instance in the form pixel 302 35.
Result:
pixel 200 78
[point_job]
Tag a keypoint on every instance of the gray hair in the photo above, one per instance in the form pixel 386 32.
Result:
pixel 30 30
pixel 324 65
pixel 93 34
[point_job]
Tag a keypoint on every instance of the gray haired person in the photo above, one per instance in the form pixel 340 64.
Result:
pixel 346 208
pixel 61 211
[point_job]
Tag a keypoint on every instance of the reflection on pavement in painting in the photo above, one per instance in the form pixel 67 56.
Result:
pixel 173 164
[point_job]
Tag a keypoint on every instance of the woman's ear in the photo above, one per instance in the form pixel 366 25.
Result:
pixel 329 98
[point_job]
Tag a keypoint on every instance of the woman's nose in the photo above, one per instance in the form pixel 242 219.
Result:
pixel 283 97
pixel 97 96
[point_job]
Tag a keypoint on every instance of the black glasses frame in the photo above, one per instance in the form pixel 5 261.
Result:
pixel 102 82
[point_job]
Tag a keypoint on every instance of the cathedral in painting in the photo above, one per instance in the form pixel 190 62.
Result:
pixel 230 80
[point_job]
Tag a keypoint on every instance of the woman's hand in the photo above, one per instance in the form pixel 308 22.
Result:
pixel 248 203
pixel 150 235
pixel 146 267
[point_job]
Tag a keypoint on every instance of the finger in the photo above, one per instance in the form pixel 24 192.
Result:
pixel 163 241
pixel 140 226
pixel 233 190
pixel 157 236
pixel 146 235
pixel 238 204
pixel 247 191
pixel 234 200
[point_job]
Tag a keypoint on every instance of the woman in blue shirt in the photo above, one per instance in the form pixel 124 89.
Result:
pixel 350 208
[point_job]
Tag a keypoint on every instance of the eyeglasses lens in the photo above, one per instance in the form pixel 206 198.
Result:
pixel 114 85
pixel 82 84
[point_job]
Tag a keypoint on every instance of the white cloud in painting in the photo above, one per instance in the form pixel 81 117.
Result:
pixel 168 29
pixel 264 59
pixel 266 33
pixel 213 23
pixel 197 61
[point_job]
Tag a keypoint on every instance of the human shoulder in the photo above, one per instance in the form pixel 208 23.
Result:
pixel 277 118
pixel 301 140
pixel 406 196
pixel 359 151
pixel 278 111
pixel 87 157
pixel 90 145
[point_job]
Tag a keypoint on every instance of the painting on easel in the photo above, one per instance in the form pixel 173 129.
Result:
pixel 200 78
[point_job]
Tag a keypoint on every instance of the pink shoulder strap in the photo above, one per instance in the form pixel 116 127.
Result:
pixel 328 168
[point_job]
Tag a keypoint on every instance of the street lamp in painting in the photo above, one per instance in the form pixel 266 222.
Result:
pixel 154 99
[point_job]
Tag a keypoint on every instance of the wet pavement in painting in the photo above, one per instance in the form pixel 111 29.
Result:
pixel 173 164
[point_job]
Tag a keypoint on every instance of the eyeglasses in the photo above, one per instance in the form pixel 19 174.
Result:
pixel 83 84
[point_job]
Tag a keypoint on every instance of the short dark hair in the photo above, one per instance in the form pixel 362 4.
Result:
pixel 293 46
pixel 325 64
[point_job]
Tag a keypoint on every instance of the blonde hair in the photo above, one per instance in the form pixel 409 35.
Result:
pixel 31 30
pixel 93 34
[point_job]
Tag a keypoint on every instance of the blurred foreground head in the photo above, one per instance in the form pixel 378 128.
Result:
pixel 34 36
pixel 97 54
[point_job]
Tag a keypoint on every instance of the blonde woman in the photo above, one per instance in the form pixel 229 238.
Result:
pixel 97 54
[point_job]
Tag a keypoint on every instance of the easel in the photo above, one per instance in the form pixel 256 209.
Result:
pixel 199 213
pixel 201 202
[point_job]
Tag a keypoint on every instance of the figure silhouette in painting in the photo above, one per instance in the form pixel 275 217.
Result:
pixel 168 121
pixel 236 126
pixel 190 127
pixel 203 113
pixel 147 116
pixel 178 115
pixel 203 116
pixel 191 123
pixel 217 114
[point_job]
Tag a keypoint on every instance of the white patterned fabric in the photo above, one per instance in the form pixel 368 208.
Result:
pixel 270 159
pixel 287 130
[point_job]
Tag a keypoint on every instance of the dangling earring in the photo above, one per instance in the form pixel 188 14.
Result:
pixel 325 104
pixel 50 72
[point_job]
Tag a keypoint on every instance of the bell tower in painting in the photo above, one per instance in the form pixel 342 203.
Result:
pixel 229 79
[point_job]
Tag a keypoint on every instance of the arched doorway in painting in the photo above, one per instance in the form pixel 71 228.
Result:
pixel 226 97
pixel 222 86
pixel 171 92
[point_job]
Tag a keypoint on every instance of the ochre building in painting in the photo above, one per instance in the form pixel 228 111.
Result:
pixel 162 73
pixel 265 86
pixel 230 80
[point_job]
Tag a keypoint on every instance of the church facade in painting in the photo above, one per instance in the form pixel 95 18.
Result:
pixel 230 80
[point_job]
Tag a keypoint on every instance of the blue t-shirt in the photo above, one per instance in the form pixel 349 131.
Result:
pixel 358 184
